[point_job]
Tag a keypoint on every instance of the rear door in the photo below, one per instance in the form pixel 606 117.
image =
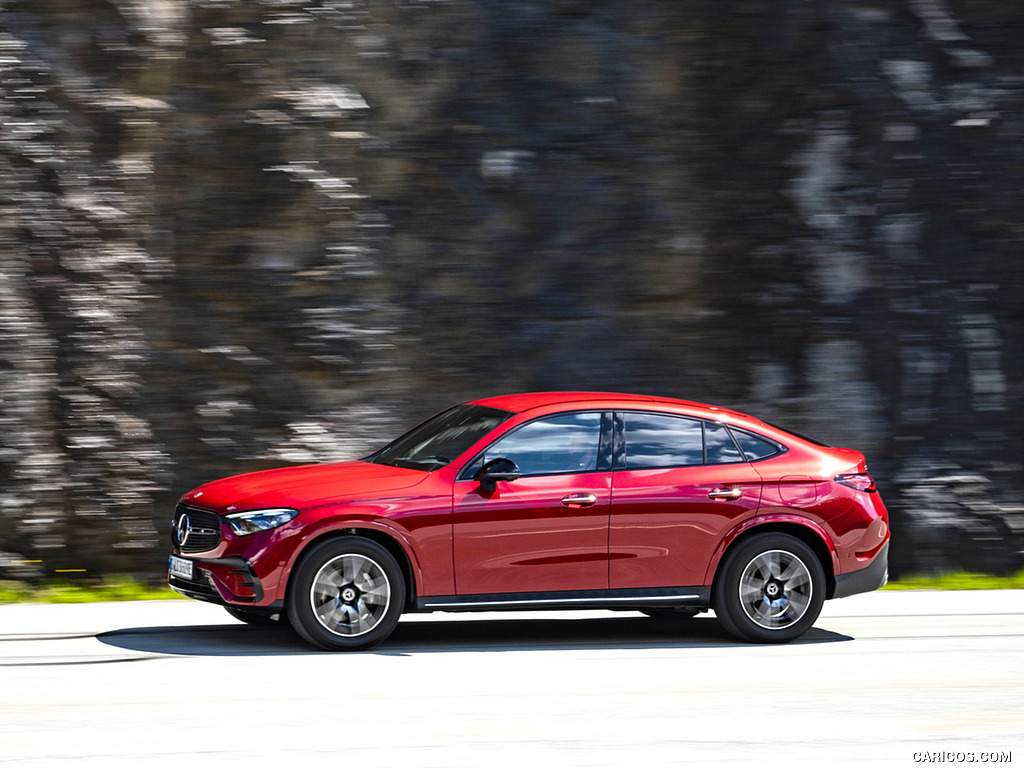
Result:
pixel 679 486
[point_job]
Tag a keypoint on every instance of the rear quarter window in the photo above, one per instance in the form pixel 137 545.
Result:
pixel 754 447
pixel 719 445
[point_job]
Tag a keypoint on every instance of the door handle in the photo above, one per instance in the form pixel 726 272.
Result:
pixel 725 494
pixel 578 500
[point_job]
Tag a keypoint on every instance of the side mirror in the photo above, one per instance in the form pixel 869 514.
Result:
pixel 493 471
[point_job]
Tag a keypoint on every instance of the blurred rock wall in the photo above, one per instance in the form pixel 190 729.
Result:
pixel 241 233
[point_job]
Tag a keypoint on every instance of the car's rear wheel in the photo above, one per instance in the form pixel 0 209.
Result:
pixel 770 590
pixel 346 594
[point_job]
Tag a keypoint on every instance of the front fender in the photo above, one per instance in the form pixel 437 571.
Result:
pixel 347 520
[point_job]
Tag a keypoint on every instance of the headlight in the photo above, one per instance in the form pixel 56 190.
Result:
pixel 246 523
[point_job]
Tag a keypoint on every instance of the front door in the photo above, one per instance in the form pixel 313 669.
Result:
pixel 546 531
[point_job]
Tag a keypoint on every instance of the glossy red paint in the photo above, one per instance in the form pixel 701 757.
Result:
pixel 666 526
pixel 599 533
pixel 775 521
pixel 522 537
pixel 303 486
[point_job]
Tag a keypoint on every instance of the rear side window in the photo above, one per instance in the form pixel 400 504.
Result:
pixel 720 447
pixel 654 441
pixel 755 448
pixel 660 440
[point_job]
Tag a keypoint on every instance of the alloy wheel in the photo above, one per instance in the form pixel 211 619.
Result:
pixel 350 595
pixel 775 589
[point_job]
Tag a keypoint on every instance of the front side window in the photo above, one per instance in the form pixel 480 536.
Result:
pixel 558 445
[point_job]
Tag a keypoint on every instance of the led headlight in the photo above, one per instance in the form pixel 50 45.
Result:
pixel 246 523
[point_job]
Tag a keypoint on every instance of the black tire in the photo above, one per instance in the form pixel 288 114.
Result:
pixel 256 619
pixel 346 594
pixel 770 589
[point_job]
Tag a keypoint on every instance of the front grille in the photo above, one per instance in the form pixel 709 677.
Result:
pixel 199 532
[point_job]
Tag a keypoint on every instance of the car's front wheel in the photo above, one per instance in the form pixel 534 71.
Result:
pixel 346 594
pixel 770 589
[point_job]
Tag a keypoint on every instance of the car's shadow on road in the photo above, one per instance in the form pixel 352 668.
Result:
pixel 483 635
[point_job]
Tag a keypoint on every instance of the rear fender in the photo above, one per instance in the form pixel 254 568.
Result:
pixel 776 521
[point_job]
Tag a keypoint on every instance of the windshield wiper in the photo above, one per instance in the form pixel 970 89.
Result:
pixel 406 460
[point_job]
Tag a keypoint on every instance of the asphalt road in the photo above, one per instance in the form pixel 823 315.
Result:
pixel 895 678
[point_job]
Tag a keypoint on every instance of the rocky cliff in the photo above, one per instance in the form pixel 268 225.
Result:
pixel 238 233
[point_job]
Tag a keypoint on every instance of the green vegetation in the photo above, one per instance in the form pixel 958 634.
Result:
pixel 958 580
pixel 108 589
pixel 116 588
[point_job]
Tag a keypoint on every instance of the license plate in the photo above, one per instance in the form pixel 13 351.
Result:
pixel 180 567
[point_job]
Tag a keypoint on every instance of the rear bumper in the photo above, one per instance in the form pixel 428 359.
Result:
pixel 866 579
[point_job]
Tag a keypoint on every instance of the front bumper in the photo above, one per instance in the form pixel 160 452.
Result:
pixel 867 579
pixel 225 581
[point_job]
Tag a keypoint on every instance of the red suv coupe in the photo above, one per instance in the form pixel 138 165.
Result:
pixel 537 501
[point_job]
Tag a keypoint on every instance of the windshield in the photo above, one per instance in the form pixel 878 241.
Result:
pixel 440 440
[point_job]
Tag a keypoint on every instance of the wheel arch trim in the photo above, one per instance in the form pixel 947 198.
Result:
pixel 388 536
pixel 808 531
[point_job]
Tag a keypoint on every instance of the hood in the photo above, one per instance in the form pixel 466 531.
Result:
pixel 304 486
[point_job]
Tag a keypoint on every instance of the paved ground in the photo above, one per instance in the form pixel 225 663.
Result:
pixel 891 677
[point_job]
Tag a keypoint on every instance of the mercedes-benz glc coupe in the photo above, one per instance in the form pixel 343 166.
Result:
pixel 543 501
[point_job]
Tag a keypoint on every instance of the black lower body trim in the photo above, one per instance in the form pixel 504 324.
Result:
pixel 662 597
pixel 273 609
pixel 195 590
pixel 867 579
pixel 211 578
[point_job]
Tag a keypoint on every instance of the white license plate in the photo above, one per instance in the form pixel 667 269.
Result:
pixel 180 567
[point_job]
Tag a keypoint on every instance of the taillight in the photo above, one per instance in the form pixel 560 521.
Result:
pixel 861 481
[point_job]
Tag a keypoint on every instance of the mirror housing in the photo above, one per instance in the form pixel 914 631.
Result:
pixel 493 471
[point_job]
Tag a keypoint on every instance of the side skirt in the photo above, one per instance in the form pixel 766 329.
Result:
pixel 619 599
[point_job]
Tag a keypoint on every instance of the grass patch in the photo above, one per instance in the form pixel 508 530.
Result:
pixel 120 588
pixel 958 580
pixel 110 588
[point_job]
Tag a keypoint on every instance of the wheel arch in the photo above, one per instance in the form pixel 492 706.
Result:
pixel 385 539
pixel 806 531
